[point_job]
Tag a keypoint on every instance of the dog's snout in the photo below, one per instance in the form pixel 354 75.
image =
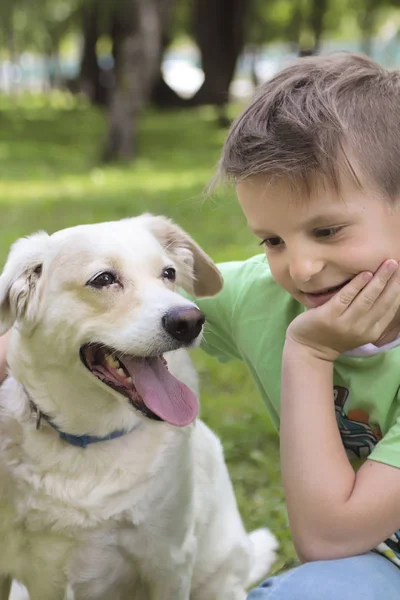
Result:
pixel 183 324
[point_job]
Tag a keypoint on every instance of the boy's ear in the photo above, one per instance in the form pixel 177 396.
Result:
pixel 200 274
pixel 19 282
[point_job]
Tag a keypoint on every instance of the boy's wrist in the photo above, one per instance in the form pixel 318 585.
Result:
pixel 296 349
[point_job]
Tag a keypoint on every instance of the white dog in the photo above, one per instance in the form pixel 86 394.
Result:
pixel 109 486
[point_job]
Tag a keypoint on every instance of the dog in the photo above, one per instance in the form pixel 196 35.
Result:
pixel 111 488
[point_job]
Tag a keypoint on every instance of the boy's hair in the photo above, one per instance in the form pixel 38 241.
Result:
pixel 321 115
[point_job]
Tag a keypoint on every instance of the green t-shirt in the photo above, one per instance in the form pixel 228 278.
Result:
pixel 248 320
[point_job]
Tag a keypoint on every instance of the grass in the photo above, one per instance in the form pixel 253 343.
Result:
pixel 50 179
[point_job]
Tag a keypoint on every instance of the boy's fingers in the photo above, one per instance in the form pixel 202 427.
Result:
pixel 388 313
pixel 346 295
pixel 378 286
pixel 373 284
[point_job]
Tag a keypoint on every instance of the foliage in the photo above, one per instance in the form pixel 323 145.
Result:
pixel 269 21
pixel 43 24
pixel 38 24
pixel 291 20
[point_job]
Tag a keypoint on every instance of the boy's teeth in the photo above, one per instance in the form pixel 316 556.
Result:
pixel 129 379
pixel 121 372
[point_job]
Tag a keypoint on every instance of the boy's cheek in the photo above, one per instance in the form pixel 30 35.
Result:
pixel 278 276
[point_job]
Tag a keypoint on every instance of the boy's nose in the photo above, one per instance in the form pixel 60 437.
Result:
pixel 303 268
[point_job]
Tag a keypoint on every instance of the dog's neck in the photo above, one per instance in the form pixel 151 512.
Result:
pixel 81 441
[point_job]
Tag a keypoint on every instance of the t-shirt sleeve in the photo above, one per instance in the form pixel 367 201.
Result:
pixel 219 331
pixel 388 448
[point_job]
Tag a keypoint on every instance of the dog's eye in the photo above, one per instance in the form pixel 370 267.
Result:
pixel 169 274
pixel 102 280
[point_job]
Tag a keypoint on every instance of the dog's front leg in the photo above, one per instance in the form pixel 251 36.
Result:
pixel 5 587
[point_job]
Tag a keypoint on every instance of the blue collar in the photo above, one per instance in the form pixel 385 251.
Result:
pixel 83 440
pixel 76 440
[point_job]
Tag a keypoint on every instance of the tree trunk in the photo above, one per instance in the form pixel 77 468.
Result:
pixel 89 79
pixel 162 95
pixel 295 25
pixel 318 10
pixel 219 30
pixel 137 52
pixel 367 23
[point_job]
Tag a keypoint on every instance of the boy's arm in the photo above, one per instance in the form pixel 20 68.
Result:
pixel 333 511
pixel 3 352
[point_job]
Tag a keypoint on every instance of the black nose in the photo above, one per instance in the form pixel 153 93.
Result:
pixel 183 323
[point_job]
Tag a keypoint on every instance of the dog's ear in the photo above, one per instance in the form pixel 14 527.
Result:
pixel 200 275
pixel 19 282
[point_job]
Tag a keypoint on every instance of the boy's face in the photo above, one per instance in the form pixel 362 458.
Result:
pixel 317 243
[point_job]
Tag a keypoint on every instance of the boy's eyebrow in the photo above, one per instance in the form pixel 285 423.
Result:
pixel 315 221
pixel 322 219
pixel 259 232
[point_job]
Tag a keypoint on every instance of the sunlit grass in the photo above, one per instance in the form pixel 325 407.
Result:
pixel 50 178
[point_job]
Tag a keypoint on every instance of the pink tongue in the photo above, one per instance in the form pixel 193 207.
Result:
pixel 162 393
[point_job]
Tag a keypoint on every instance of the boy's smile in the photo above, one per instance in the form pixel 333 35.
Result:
pixel 317 243
pixel 321 296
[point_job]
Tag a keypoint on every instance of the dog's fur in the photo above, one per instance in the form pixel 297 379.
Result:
pixel 150 515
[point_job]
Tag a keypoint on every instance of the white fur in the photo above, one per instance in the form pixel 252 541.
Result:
pixel 150 515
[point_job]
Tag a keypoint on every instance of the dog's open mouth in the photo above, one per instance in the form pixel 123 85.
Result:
pixel 145 381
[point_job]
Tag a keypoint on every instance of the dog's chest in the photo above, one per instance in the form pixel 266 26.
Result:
pixel 66 504
pixel 51 535
pixel 78 504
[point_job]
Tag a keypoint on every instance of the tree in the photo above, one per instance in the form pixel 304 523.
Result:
pixel 89 73
pixel 38 25
pixel 318 10
pixel 218 28
pixel 140 24
pixel 367 16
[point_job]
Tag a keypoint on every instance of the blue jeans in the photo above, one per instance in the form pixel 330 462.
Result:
pixel 366 577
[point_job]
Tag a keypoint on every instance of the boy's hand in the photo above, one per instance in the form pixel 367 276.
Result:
pixel 361 312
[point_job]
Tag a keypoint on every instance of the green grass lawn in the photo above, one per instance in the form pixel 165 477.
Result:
pixel 50 179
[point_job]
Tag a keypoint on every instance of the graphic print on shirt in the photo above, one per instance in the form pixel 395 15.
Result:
pixel 359 437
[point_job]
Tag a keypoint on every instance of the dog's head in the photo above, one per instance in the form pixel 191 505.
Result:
pixel 102 301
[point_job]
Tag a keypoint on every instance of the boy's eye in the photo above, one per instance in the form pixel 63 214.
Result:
pixel 327 232
pixel 272 242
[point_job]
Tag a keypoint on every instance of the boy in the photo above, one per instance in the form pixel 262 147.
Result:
pixel 315 160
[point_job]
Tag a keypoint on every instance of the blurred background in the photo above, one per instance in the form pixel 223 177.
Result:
pixel 109 108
